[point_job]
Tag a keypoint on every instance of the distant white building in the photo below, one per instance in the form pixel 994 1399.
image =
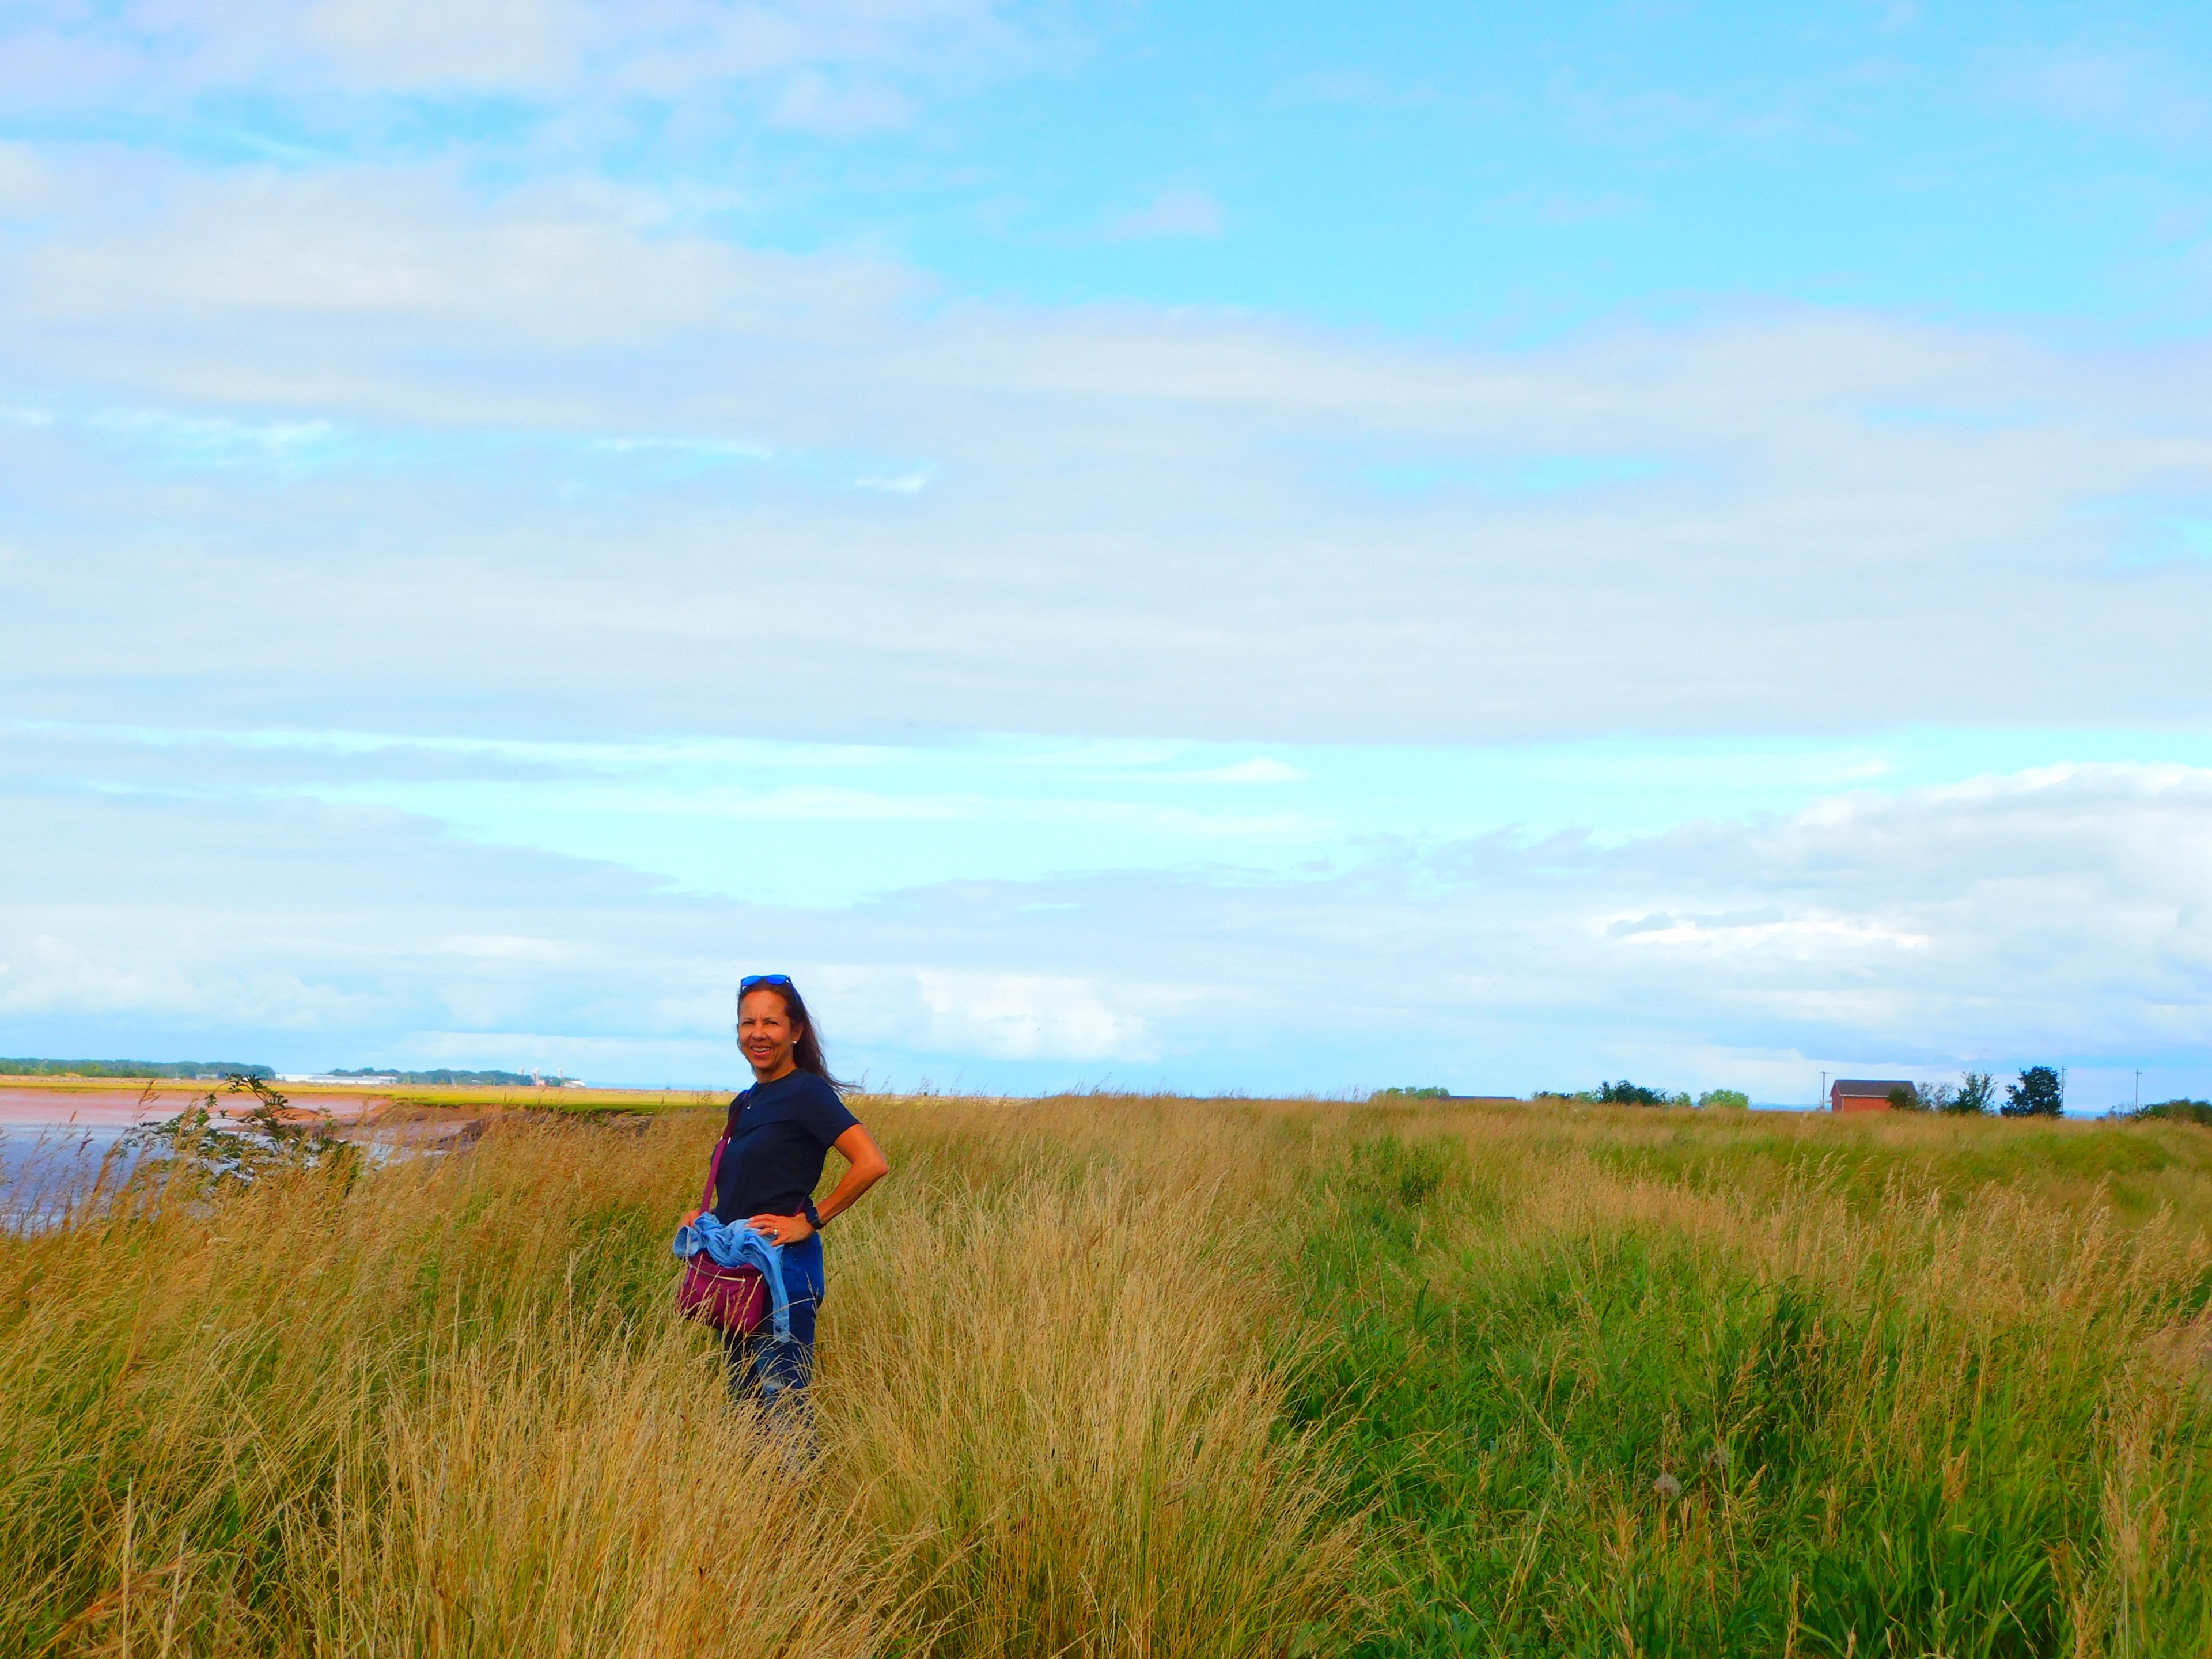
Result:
pixel 324 1079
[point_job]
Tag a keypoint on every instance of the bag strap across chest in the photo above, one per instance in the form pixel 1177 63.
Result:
pixel 713 1173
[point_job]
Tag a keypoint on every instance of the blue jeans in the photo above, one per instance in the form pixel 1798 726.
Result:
pixel 773 1374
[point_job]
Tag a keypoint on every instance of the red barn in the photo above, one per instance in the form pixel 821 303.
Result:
pixel 1863 1094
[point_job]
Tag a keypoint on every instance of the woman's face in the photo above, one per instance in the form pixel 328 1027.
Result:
pixel 766 1032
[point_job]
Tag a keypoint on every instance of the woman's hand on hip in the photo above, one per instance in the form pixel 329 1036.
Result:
pixel 782 1229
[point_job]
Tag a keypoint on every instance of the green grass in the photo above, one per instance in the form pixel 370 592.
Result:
pixel 566 1102
pixel 1158 1377
pixel 2135 1167
pixel 1686 1391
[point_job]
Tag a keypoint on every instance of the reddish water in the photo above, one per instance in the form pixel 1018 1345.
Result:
pixel 30 1107
pixel 54 1141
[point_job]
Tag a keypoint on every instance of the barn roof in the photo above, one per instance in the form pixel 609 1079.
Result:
pixel 1869 1085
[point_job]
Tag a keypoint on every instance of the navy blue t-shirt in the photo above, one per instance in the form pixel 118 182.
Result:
pixel 779 1133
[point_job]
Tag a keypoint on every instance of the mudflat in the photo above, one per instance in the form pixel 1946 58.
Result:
pixel 120 1105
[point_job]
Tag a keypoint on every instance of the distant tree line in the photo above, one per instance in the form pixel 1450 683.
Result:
pixel 134 1068
pixel 1624 1093
pixel 464 1079
pixel 2179 1111
pixel 2040 1091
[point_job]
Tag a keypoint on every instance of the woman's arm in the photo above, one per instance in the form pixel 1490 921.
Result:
pixel 865 1165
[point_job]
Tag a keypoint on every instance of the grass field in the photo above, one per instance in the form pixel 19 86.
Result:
pixel 1120 1377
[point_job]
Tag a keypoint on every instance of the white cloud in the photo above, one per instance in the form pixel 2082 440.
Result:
pixel 2111 85
pixel 218 439
pixel 900 483
pixel 511 948
pixel 1131 523
pixel 409 43
pixel 425 389
pixel 25 184
pixel 1259 769
pixel 2063 917
pixel 385 261
pixel 1128 522
pixel 55 975
pixel 843 108
pixel 1032 1016
pixel 1180 210
pixel 834 66
pixel 957 1014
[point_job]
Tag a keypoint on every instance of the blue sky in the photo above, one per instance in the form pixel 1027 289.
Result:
pixel 1198 545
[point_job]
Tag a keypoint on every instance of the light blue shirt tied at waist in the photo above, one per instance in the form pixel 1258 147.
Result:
pixel 740 1246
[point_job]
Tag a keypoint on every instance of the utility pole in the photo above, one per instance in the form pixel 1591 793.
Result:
pixel 1824 1092
pixel 2138 1091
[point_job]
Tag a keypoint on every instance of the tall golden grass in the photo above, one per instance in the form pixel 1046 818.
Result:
pixel 1140 1377
pixel 443 1407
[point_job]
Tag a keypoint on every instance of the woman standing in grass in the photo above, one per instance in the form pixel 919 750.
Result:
pixel 779 1133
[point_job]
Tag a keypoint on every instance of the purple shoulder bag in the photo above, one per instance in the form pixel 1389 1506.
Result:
pixel 733 1299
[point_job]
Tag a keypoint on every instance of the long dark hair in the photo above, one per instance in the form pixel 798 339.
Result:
pixel 806 1052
